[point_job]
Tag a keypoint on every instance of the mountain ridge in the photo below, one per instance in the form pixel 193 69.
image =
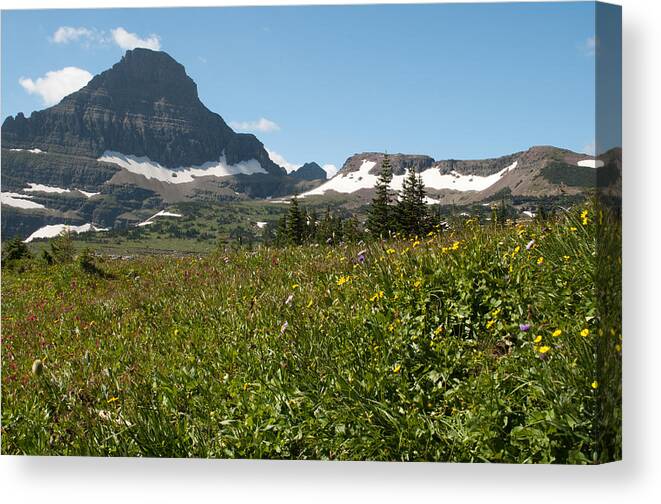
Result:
pixel 144 105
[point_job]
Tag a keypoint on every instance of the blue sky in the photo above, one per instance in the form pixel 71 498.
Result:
pixel 455 81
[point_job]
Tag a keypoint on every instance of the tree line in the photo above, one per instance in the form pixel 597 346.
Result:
pixel 389 212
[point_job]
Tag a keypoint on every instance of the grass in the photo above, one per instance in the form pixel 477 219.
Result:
pixel 416 353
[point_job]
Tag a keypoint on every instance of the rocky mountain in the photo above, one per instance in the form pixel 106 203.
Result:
pixel 539 172
pixel 145 105
pixel 310 171
pixel 135 137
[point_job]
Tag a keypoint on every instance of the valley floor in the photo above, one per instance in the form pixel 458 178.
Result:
pixel 484 343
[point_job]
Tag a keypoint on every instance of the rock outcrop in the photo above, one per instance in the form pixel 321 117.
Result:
pixel 310 171
pixel 145 105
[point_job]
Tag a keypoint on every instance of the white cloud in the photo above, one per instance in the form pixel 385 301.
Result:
pixel 589 149
pixel 56 84
pixel 262 125
pixel 128 40
pixel 281 161
pixel 120 36
pixel 66 34
pixel 330 170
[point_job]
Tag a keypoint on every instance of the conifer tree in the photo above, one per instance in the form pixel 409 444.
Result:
pixel 350 230
pixel 295 224
pixel 311 224
pixel 379 219
pixel 281 231
pixel 421 212
pixel 15 250
pixel 406 207
pixel 412 215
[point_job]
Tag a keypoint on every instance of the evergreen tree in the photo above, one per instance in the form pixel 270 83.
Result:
pixel 412 215
pixel 295 223
pixel 351 230
pixel 325 230
pixel 421 211
pixel 62 250
pixel 15 250
pixel 311 225
pixel 281 236
pixel 379 219
pixel 406 207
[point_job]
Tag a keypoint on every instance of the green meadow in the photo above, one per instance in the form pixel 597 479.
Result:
pixel 484 342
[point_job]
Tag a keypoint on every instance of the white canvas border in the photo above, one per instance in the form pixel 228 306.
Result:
pixel 53 480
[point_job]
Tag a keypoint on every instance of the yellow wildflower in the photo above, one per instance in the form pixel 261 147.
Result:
pixel 438 330
pixel 595 384
pixel 566 258
pixel 309 303
pixel 390 251
pixel 584 217
pixel 585 332
pixel 490 323
pixel 618 347
pixel 343 279
pixel 544 349
pixel 295 286
pixel 455 245
pixel 572 229
pixel 377 295
pixel 516 250
pixel 397 368
pixel 113 399
pixel 538 339
pixel 540 260
pixel 417 284
pixel 431 233
pixel 416 243
pixel 557 332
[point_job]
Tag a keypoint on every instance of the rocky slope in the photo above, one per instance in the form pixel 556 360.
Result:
pixel 145 112
pixel 137 138
pixel 310 171
pixel 145 105
pixel 539 172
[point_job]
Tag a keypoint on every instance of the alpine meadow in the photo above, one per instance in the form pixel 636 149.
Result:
pixel 173 286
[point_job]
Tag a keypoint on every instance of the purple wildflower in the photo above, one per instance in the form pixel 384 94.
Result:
pixel 524 327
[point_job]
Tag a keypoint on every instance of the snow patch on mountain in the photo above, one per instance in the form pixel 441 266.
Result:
pixel 59 190
pixel 44 188
pixel 33 151
pixel 53 230
pixel 88 194
pixel 19 200
pixel 432 178
pixel 162 213
pixel 591 163
pixel 152 170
